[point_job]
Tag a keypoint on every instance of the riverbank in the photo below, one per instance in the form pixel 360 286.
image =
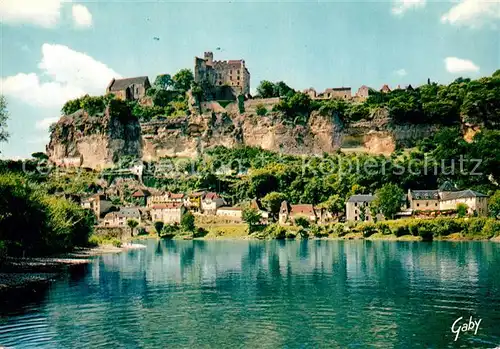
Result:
pixel 27 274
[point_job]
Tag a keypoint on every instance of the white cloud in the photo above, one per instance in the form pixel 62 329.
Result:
pixel 473 13
pixel 399 7
pixel 401 72
pixel 458 65
pixel 44 13
pixel 65 74
pixel 45 123
pixel 81 16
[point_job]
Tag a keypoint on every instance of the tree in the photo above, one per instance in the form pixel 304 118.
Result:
pixel 272 202
pixel 462 210
pixel 252 217
pixel 4 115
pixel 164 82
pixel 187 222
pixel 183 79
pixel 494 204
pixel 132 224
pixel 362 213
pixel 388 200
pixel 334 204
pixel 266 89
pixel 302 222
pixel 158 227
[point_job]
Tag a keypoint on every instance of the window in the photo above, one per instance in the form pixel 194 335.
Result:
pixel 356 204
pixel 356 218
pixel 436 204
pixel 418 205
pixel 238 77
pixel 355 211
pixel 427 203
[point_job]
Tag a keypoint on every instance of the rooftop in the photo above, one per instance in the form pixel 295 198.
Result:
pixel 121 84
pixel 361 198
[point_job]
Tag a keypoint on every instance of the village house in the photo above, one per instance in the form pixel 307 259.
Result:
pixel 233 213
pixel 363 92
pixel 357 206
pixel 385 89
pixel 98 203
pixel 168 213
pixel 159 198
pixel 211 202
pixel 263 213
pixel 288 213
pixel 330 93
pixel 446 198
pixel 141 196
pixel 120 218
pixel 129 89
pixel 193 201
pixel 176 198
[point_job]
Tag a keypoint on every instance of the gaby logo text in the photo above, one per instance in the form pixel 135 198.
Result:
pixel 458 327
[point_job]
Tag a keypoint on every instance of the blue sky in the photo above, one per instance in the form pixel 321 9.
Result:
pixel 54 50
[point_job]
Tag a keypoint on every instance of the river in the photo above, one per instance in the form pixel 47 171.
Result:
pixel 269 294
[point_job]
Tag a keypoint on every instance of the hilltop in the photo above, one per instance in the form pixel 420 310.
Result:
pixel 180 121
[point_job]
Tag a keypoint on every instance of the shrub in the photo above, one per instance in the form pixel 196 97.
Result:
pixel 260 110
pixel 200 232
pixel 116 242
pixel 383 228
pixel 367 229
pixel 491 228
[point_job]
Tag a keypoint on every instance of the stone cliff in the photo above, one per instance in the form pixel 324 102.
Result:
pixel 94 141
pixel 99 141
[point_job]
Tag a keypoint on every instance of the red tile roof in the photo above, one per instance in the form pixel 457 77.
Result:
pixel 141 193
pixel 176 196
pixel 212 196
pixel 303 209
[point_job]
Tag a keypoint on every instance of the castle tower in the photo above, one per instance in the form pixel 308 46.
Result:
pixel 209 57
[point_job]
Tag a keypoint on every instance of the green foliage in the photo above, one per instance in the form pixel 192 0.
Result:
pixel 35 222
pixel 267 89
pixel 187 222
pixel 388 200
pixel 164 82
pixel 252 217
pixel 132 224
pixel 462 210
pixel 4 116
pixel 158 227
pixel 97 240
pixel 302 222
pixel 494 204
pixel 92 105
pixel 241 104
pixel 261 110
pixel 272 202
pixel 274 231
pixel 170 230
pixel 183 80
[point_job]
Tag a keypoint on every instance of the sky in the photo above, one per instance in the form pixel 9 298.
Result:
pixel 53 50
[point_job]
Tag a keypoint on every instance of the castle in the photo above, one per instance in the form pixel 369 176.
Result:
pixel 231 74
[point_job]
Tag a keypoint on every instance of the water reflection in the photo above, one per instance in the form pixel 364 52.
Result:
pixel 295 294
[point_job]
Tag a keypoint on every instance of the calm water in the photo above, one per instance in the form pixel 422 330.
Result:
pixel 309 294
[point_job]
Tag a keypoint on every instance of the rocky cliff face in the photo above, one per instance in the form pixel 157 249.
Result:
pixel 94 141
pixel 99 141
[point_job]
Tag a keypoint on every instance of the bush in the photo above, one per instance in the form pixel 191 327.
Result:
pixel 200 232
pixel 260 110
pixel 383 228
pixel 491 228
pixel 367 229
